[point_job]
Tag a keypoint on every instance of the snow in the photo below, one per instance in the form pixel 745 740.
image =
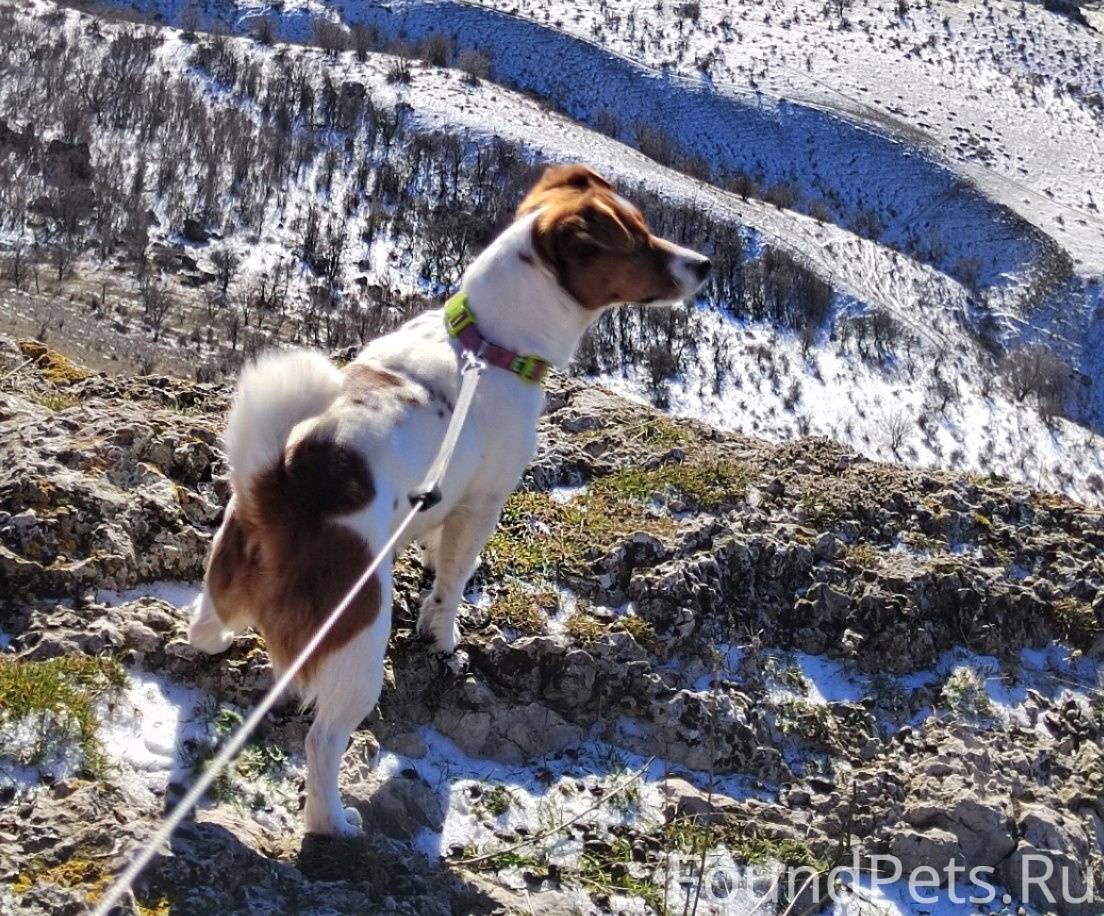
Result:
pixel 564 495
pixel 20 739
pixel 829 680
pixel 178 594
pixel 145 730
pixel 763 101
pixel 898 898
pixel 542 794
pixel 1054 671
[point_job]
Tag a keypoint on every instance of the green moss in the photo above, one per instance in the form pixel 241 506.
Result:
pixel 84 874
pixel 537 535
pixel 54 367
pixel 60 695
pixel 496 801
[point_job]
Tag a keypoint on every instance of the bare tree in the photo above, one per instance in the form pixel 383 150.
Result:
pixel 897 425
pixel 475 64
pixel 226 265
pixel 332 37
pixel 1035 370
pixel 156 302
pixel 364 38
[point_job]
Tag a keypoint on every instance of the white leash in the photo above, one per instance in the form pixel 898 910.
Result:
pixel 425 497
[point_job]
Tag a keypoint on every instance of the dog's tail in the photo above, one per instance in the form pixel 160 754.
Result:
pixel 275 394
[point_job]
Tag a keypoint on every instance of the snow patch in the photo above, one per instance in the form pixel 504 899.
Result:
pixel 178 594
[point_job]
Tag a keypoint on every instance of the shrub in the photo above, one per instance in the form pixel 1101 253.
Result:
pixel 1035 370
pixel 475 64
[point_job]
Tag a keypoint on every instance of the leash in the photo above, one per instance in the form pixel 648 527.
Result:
pixel 426 496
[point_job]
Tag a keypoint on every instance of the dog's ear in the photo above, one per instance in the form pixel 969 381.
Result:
pixel 568 232
pixel 562 179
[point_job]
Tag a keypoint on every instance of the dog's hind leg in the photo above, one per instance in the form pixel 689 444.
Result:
pixel 345 690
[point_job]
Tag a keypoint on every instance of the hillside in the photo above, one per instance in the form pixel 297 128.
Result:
pixel 876 286
pixel 703 645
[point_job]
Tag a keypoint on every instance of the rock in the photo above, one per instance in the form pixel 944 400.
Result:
pixel 981 828
pixel 828 547
pixel 1049 867
pixel 684 801
pixel 127 485
pixel 194 231
pixel 407 744
pixel 402 806
pixel 931 848
pixel 509 734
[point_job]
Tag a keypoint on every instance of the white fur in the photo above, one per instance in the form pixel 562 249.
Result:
pixel 274 394
pixel 518 304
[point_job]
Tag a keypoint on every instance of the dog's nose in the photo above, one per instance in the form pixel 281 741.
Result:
pixel 702 268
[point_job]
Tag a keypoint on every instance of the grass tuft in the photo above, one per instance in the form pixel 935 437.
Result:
pixel 1077 623
pixel 58 698
pixel 54 400
pixel 496 801
pixel 583 628
pixel 964 693
pixel 537 535
pixel 523 610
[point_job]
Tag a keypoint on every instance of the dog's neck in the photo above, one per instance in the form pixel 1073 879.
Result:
pixel 517 302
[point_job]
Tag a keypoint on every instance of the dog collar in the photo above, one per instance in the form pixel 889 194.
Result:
pixel 460 321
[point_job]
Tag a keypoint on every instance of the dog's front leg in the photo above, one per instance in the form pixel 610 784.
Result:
pixel 207 631
pixel 463 534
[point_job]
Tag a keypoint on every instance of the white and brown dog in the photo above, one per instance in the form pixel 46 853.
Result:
pixel 322 460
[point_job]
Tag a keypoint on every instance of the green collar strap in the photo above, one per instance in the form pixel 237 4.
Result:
pixel 460 321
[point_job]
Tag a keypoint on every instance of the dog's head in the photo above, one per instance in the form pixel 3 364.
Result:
pixel 600 248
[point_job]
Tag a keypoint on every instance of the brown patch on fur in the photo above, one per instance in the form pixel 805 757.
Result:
pixel 365 384
pixel 597 244
pixel 282 562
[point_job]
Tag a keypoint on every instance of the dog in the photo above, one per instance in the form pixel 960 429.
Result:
pixel 322 459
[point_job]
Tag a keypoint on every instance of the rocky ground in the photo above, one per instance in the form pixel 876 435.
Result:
pixel 683 648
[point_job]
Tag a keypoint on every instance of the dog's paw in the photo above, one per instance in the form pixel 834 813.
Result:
pixel 345 825
pixel 208 636
pixel 438 625
pixel 446 638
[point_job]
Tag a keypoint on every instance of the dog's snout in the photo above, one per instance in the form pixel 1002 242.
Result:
pixel 703 267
